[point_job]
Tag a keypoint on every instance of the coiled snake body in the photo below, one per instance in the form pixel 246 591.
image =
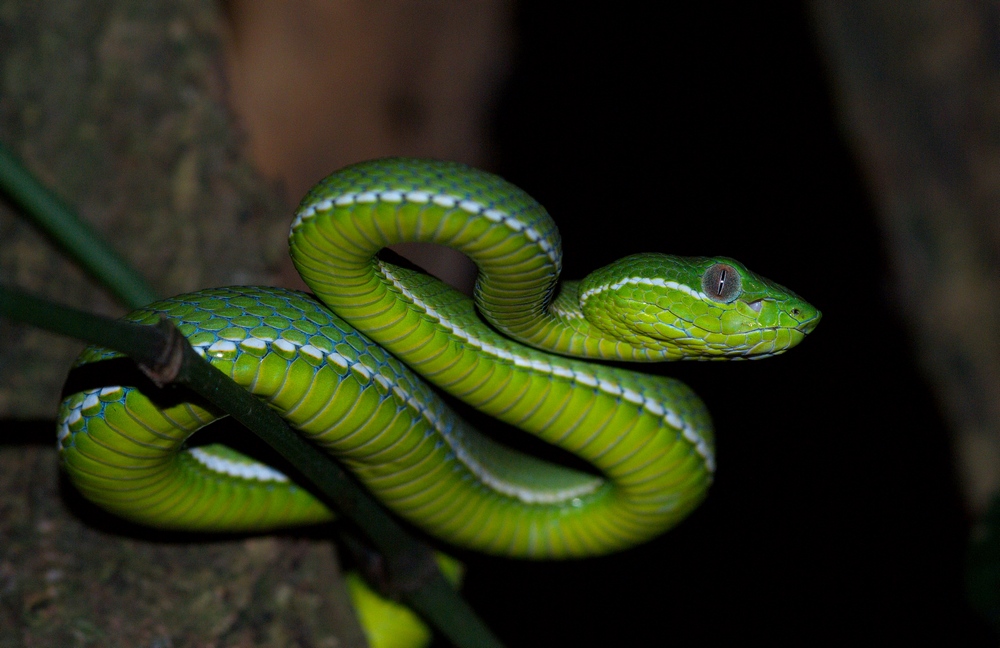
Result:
pixel 338 368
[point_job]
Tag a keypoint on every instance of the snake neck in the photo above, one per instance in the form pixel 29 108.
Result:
pixel 563 328
pixel 348 218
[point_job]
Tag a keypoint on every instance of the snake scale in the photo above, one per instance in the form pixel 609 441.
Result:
pixel 342 368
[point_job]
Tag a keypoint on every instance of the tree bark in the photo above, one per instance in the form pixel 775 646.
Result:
pixel 917 86
pixel 120 107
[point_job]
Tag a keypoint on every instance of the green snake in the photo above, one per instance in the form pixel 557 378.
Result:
pixel 341 367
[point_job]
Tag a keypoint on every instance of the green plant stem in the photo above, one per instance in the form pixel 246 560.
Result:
pixel 75 237
pixel 167 357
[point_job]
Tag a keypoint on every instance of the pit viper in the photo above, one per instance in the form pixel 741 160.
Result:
pixel 349 368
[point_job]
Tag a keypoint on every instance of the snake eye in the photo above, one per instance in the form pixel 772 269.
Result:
pixel 721 283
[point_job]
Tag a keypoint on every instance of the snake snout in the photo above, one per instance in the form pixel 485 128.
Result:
pixel 807 316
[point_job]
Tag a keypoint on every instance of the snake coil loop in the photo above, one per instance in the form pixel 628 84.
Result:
pixel 342 369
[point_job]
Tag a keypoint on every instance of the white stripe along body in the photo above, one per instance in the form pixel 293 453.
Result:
pixel 648 438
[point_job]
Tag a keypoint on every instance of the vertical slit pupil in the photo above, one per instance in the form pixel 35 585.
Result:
pixel 721 283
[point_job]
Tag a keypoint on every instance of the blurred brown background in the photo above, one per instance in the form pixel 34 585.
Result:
pixel 319 85
pixel 846 149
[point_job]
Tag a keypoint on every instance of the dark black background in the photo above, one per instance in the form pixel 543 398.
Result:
pixel 709 129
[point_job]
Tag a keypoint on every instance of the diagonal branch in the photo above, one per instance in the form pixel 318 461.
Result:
pixel 73 236
pixel 167 357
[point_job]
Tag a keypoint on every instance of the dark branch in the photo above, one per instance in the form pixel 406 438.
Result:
pixel 166 357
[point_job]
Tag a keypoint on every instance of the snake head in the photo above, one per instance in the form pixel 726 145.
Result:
pixel 695 307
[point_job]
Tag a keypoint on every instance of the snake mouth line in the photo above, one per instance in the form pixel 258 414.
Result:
pixel 803 328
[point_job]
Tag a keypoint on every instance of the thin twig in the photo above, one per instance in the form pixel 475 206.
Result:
pixel 73 236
